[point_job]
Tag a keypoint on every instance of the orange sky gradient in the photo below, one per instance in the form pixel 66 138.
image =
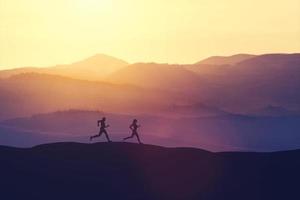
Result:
pixel 45 33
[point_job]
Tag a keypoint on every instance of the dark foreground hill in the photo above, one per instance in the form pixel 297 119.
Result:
pixel 131 171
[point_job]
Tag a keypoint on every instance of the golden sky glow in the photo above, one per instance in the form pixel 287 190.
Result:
pixel 48 32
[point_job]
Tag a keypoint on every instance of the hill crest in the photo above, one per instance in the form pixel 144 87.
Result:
pixel 132 172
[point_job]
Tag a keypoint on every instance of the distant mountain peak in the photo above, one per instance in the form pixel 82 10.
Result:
pixel 101 59
pixel 226 60
pixel 95 67
pixel 267 59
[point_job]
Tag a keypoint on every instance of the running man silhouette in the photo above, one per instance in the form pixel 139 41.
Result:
pixel 134 126
pixel 103 127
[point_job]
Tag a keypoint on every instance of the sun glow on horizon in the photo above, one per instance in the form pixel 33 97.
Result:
pixel 93 5
pixel 45 33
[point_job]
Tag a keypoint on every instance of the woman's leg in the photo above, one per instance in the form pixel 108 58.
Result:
pixel 138 138
pixel 129 137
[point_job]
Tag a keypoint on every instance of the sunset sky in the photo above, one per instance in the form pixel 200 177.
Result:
pixel 49 32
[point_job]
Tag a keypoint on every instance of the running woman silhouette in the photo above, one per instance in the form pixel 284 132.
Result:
pixel 103 127
pixel 134 126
